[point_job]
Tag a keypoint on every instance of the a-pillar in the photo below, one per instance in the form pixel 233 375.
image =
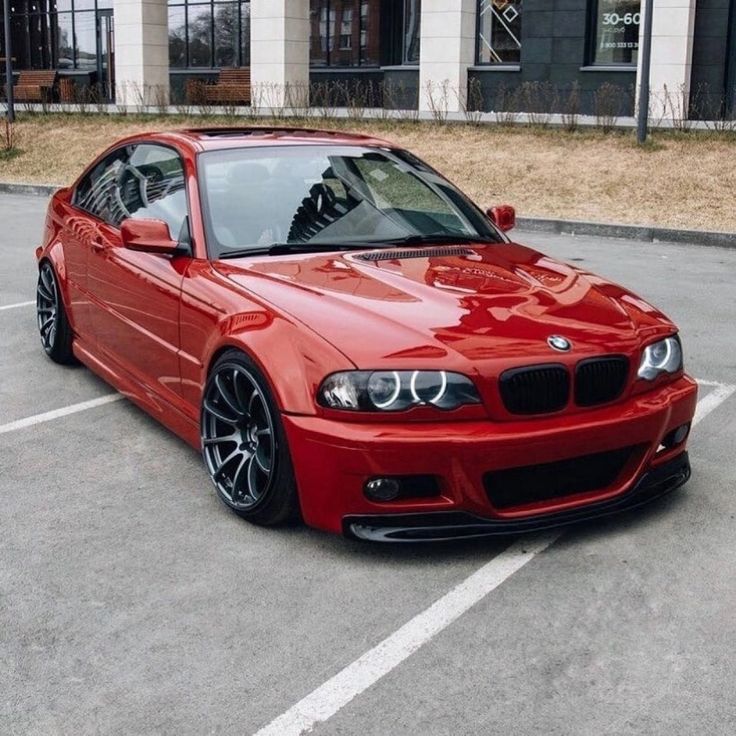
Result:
pixel 279 52
pixel 141 52
pixel 447 50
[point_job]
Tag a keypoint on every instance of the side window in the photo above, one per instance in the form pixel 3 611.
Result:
pixel 152 186
pixel 98 193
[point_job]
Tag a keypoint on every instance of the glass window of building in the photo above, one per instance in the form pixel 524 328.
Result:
pixel 209 35
pixel 499 31
pixel 55 34
pixel 615 31
pixel 348 33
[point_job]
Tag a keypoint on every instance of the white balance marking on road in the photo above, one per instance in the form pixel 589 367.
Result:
pixel 712 400
pixel 330 697
pixel 57 413
pixel 15 306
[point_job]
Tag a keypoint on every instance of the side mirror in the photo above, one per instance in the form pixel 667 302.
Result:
pixel 503 217
pixel 149 236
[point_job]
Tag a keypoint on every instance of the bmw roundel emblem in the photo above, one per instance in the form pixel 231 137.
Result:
pixel 557 342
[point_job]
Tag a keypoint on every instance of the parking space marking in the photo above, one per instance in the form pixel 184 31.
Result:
pixel 15 306
pixel 337 692
pixel 57 413
pixel 330 697
pixel 713 399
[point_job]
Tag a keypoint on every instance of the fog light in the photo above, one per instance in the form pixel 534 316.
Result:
pixel 382 489
pixel 674 438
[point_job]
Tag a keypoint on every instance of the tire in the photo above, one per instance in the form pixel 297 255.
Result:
pixel 53 323
pixel 244 444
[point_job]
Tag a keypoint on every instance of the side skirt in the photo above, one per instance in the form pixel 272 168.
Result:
pixel 160 409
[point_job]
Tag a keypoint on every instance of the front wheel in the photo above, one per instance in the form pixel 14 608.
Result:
pixel 244 444
pixel 53 324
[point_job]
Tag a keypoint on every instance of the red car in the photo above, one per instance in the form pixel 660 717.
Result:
pixel 348 338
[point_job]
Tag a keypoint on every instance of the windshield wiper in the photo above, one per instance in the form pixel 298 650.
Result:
pixel 441 238
pixel 277 249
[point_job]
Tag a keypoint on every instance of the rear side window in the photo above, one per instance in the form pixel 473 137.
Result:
pixel 143 181
pixel 98 193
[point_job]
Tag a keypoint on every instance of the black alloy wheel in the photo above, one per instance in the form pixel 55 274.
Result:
pixel 53 325
pixel 244 445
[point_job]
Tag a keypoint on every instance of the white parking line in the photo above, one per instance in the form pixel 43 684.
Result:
pixel 337 692
pixel 322 703
pixel 57 413
pixel 15 306
pixel 711 400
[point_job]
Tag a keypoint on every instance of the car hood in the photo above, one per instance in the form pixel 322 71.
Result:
pixel 450 304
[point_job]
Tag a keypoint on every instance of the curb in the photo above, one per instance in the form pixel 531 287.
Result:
pixel 36 190
pixel 642 233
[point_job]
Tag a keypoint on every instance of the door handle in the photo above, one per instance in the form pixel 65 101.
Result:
pixel 97 243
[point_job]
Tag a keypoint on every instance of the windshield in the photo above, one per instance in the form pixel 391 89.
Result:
pixel 322 195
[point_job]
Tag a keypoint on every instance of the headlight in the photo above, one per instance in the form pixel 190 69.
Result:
pixel 664 356
pixel 396 390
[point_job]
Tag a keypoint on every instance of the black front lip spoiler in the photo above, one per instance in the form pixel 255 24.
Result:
pixel 447 525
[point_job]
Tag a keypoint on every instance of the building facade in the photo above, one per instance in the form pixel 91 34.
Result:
pixel 449 55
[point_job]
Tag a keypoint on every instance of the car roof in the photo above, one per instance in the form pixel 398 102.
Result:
pixel 204 139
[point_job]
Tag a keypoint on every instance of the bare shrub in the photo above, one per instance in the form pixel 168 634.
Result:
pixel 607 106
pixel 438 100
pixel 506 105
pixel 537 99
pixel 571 108
pixel 472 104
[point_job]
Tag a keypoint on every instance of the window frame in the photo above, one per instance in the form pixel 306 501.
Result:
pixel 494 64
pixel 591 40
pixel 212 5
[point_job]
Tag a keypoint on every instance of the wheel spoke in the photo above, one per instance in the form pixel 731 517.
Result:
pixel 46 310
pixel 227 396
pixel 44 292
pixel 223 463
pixel 264 463
pixel 46 325
pixel 265 432
pixel 253 479
pixel 237 381
pixel 255 396
pixel 208 441
pixel 237 491
pixel 218 413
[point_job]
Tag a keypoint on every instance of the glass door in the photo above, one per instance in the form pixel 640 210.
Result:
pixel 106 54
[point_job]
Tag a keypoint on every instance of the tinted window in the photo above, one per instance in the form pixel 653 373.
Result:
pixel 327 194
pixel 152 186
pixel 144 181
pixel 98 193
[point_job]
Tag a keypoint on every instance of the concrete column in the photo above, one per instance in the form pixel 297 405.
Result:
pixel 141 52
pixel 448 49
pixel 279 52
pixel 673 25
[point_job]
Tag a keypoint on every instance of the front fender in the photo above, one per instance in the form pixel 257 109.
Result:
pixel 293 359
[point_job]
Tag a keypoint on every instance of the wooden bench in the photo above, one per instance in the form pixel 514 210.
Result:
pixel 232 86
pixel 34 86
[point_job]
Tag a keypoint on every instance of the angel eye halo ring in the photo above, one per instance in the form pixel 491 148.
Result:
pixel 396 390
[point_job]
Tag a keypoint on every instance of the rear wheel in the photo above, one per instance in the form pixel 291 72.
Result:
pixel 53 324
pixel 244 444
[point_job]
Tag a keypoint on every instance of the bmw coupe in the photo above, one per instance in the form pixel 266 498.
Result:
pixel 348 339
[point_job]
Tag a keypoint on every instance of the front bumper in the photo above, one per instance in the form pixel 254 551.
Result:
pixel 333 459
pixel 443 526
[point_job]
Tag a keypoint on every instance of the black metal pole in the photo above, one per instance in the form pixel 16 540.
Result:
pixel 8 64
pixel 646 64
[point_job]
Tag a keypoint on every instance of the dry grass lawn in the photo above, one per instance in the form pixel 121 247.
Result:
pixel 680 179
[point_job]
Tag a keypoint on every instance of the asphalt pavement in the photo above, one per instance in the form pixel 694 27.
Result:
pixel 133 602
